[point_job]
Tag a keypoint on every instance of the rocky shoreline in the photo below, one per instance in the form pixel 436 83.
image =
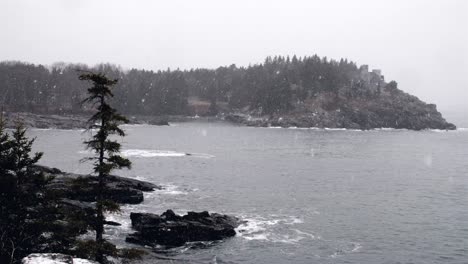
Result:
pixel 68 121
pixel 76 192
pixel 347 117
pixel 389 108
pixel 79 187
pixel 402 111
pixel 336 120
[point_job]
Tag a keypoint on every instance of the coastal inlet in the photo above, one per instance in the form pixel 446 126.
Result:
pixel 308 195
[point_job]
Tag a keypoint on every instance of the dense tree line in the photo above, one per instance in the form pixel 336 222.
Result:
pixel 277 84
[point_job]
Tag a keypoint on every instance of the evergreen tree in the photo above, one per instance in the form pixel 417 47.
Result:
pixel 106 121
pixel 6 192
pixel 23 197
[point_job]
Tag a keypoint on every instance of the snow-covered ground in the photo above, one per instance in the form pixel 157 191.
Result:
pixel 53 258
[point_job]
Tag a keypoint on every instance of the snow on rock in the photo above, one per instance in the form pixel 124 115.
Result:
pixel 54 258
pixel 83 261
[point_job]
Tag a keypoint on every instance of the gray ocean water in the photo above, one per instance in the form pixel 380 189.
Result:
pixel 309 195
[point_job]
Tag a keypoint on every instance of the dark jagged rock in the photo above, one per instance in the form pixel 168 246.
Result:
pixel 74 205
pixel 81 187
pixel 170 229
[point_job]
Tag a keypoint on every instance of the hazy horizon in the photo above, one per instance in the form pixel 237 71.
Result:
pixel 423 45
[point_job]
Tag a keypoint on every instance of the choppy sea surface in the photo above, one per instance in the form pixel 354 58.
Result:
pixel 308 195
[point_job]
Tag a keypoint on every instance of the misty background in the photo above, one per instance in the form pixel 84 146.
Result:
pixel 423 45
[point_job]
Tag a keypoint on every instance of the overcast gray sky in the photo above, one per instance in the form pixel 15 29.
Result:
pixel 422 44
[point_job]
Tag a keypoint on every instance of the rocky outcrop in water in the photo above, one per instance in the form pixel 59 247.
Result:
pixel 170 229
pixel 81 187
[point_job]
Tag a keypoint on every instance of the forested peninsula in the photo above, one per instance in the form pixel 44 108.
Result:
pixel 282 91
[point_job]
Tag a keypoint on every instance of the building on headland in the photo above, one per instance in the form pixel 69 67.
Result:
pixel 364 74
pixel 374 80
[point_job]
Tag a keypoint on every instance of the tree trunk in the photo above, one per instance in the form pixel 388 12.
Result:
pixel 99 210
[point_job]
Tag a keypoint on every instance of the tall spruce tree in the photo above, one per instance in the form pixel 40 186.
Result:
pixel 106 123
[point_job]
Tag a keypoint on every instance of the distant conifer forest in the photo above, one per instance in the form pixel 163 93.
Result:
pixel 276 85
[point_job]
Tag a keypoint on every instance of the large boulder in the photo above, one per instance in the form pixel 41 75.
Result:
pixel 172 230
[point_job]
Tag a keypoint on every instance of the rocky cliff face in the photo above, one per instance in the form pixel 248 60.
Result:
pixel 390 108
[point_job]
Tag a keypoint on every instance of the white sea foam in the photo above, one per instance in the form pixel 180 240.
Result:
pixel 133 125
pixel 162 153
pixel 335 129
pixel 80 261
pixel 384 128
pixel 148 153
pixel 312 236
pixel 356 247
pixel 274 230
pixel 444 130
pixel 326 128
pixel 151 153
pixel 358 130
pixel 42 129
pixel 295 221
pixel 57 129
pixel 172 190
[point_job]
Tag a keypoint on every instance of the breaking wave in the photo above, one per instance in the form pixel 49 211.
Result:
pixel 142 153
pixel 147 153
pixel 152 153
pixel 172 190
pixel 279 230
